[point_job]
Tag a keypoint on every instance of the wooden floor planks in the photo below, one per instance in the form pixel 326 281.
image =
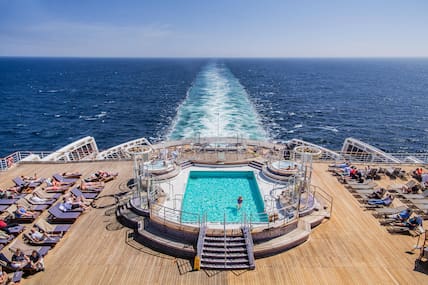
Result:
pixel 350 248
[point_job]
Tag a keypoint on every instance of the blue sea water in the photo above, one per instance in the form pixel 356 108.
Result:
pixel 47 103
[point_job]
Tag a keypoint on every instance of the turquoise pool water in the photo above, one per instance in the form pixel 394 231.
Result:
pixel 217 192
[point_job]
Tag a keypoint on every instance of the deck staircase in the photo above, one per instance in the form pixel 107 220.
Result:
pixel 228 252
pixel 185 164
pixel 256 164
pixel 126 216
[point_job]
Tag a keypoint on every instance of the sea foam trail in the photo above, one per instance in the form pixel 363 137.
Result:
pixel 217 105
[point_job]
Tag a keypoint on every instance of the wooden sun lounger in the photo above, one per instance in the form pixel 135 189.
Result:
pixel 75 175
pixel 57 216
pixel 27 249
pixel 45 195
pixel 415 196
pixel 51 241
pixel 45 202
pixel 76 192
pixel 97 189
pixel 52 229
pixel 419 201
pixel 21 183
pixel 6 255
pixel 409 184
pixel 362 186
pixel 25 220
pixel 389 211
pixel 60 178
pixel 362 191
pixel 31 207
pixel 16 230
pixel 8 201
pixel 5 238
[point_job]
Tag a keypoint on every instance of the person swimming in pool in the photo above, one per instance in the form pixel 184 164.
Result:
pixel 240 200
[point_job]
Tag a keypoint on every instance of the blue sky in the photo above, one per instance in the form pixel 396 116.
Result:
pixel 234 28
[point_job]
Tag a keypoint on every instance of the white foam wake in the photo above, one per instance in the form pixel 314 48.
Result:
pixel 217 105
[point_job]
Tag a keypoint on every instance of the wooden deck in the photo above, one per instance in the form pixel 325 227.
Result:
pixel 350 248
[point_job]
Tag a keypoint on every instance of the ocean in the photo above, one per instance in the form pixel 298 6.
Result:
pixel 47 103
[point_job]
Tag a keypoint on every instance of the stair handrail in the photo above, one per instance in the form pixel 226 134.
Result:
pixel 224 231
pixel 246 231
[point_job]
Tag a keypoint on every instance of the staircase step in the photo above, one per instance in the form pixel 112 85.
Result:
pixel 221 239
pixel 221 249
pixel 222 244
pixel 228 255
pixel 222 266
pixel 222 261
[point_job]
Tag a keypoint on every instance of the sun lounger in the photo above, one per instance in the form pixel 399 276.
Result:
pixel 408 185
pixel 5 238
pixel 6 255
pixel 388 211
pixel 362 186
pixel 420 206
pixel 362 191
pixel 60 178
pixel 21 183
pixel 31 207
pixel 418 201
pixel 76 192
pixel 8 201
pixel 43 225
pixel 94 189
pixel 57 216
pixel 61 189
pixel 415 196
pixel 45 195
pixel 395 172
pixel 37 202
pixel 16 230
pixel 373 174
pixel 51 241
pixel 17 276
pixel 75 175
pixel 12 218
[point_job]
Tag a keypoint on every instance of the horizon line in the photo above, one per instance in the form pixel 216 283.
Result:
pixel 215 57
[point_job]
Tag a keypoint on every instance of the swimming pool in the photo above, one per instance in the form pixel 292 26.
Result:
pixel 216 193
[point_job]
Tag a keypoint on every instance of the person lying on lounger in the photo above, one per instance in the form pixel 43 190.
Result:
pixel 36 261
pixel 36 199
pixel 101 175
pixel 56 188
pixel 18 259
pixel 38 236
pixel 69 204
pixel 412 223
pixel 21 212
pixel 71 174
pixel 340 165
pixel 29 178
pixel 6 194
pixel 414 189
pixel 377 194
pixel 402 216
pixel 91 185
pixel 52 182
pixel 385 201
pixel 5 226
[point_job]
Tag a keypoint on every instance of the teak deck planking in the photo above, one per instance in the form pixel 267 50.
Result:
pixel 350 248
